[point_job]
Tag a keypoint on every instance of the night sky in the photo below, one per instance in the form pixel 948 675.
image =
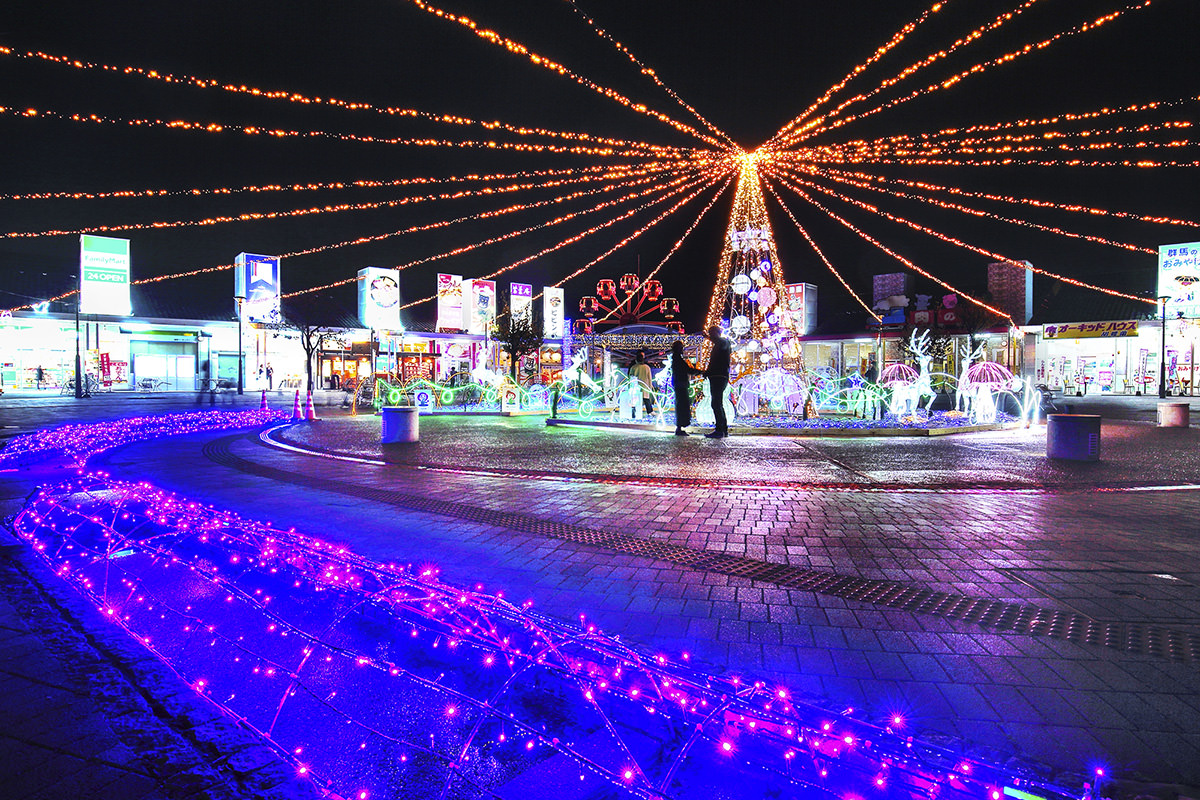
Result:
pixel 749 67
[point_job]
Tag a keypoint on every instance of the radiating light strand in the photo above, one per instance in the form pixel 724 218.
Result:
pixel 553 66
pixel 871 239
pixel 820 254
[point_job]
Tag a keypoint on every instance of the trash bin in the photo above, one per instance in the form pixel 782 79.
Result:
pixel 1173 415
pixel 1075 437
pixel 400 424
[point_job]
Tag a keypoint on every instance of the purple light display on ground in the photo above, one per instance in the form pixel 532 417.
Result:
pixel 379 680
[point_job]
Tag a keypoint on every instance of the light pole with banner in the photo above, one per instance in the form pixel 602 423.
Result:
pixel 241 352
pixel 1162 354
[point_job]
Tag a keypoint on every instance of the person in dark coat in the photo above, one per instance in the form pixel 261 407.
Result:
pixel 681 370
pixel 718 381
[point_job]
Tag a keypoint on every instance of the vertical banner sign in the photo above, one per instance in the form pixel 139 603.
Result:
pixel 104 276
pixel 795 306
pixel 379 298
pixel 449 302
pixel 256 278
pixel 552 312
pixel 520 300
pixel 479 306
pixel 1179 278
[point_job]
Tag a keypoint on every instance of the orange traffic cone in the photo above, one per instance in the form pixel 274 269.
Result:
pixel 310 413
pixel 262 404
pixel 296 416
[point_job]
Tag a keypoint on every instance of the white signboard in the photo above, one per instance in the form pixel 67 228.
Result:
pixel 479 305
pixel 1179 278
pixel 379 298
pixel 104 276
pixel 552 312
pixel 256 279
pixel 449 302
pixel 520 300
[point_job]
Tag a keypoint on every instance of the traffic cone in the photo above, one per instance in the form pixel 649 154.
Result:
pixel 296 415
pixel 262 404
pixel 310 413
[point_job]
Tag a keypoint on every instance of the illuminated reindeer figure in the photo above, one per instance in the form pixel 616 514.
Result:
pixel 962 392
pixel 907 399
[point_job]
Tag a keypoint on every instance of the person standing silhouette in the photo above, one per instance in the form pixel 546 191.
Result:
pixel 641 372
pixel 681 370
pixel 718 381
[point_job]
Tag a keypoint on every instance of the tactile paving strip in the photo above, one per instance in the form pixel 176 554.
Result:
pixel 996 615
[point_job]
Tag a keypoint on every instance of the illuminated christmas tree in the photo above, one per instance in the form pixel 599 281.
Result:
pixel 748 300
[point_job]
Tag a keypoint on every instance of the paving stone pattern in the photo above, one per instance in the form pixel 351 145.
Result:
pixel 1055 544
pixel 1066 703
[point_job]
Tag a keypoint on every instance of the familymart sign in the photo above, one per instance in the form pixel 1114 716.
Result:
pixel 104 276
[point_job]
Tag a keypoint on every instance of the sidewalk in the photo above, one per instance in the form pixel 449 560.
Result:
pixel 1051 695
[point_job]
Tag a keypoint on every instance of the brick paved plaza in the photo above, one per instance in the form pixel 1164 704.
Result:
pixel 999 602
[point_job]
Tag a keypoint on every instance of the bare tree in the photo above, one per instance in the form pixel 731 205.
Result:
pixel 518 336
pixel 313 339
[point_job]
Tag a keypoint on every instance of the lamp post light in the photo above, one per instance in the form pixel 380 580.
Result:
pixel 241 353
pixel 1162 354
pixel 78 356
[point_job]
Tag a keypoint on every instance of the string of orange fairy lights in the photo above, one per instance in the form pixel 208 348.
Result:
pixel 912 69
pixel 631 169
pixel 650 73
pixel 1074 208
pixel 775 173
pixel 960 208
pixel 553 66
pixel 940 140
pixel 296 97
pixel 635 235
pixel 1142 163
pixel 630 236
pixel 299 212
pixel 679 242
pixel 820 254
pixel 640 231
pixel 1080 116
pixel 583 234
pixel 703 184
pixel 379 237
pixel 654 151
pixel 978 68
pixel 897 38
pixel 958 242
pixel 494 239
pixel 883 154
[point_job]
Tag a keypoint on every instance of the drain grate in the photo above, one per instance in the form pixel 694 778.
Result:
pixel 995 615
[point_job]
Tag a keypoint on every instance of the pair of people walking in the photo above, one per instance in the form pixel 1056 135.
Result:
pixel 717 373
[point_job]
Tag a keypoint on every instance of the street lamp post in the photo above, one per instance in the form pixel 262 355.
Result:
pixel 78 356
pixel 1162 354
pixel 241 352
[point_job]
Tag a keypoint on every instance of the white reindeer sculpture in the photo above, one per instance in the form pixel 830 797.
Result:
pixel 578 372
pixel 907 399
pixel 962 392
